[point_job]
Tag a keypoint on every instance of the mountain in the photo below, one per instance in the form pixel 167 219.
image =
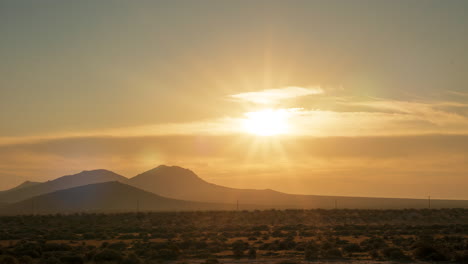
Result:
pixel 104 197
pixel 65 182
pixel 174 181
pixel 21 186
pixel 179 183
pixel 180 186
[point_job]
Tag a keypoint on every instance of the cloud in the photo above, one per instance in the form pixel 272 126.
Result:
pixel 437 113
pixel 322 116
pixel 370 117
pixel 458 93
pixel 271 96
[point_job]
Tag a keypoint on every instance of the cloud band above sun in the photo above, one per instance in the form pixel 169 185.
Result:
pixel 271 96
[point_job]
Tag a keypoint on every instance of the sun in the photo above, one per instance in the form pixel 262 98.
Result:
pixel 267 122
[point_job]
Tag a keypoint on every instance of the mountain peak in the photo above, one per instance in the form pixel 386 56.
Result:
pixel 169 181
pixel 23 185
pixel 94 171
pixel 171 171
pixel 164 175
pixel 166 167
pixel 99 175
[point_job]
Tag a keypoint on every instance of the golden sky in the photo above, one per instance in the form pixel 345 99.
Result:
pixel 362 98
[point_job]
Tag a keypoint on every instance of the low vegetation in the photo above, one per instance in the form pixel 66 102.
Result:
pixel 286 236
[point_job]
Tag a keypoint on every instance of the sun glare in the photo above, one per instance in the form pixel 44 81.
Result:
pixel 267 122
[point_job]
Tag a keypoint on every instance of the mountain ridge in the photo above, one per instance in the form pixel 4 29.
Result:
pixel 105 197
pixel 61 183
pixel 166 181
pixel 20 186
pixel 174 182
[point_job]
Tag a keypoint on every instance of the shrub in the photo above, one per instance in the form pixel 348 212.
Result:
pixel 119 246
pixel 131 259
pixel 429 253
pixel 5 259
pixel 311 252
pixel 462 257
pixel 168 254
pixel 25 260
pixel 72 259
pixel 107 255
pixel 352 248
pixel 332 253
pixel 393 253
pixel 56 247
pixel 50 260
pixel 238 248
pixel 288 262
pixel 211 260
pixel 252 253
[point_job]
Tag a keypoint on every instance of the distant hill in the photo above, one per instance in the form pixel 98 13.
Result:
pixel 21 186
pixel 28 190
pixel 179 183
pixel 104 197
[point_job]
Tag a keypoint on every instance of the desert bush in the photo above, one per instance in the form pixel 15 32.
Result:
pixel 311 251
pixel 352 248
pixel 252 254
pixel 49 260
pixel 131 259
pixel 118 246
pixel 168 254
pixel 56 247
pixel 238 248
pixel 429 253
pixel 107 255
pixel 211 260
pixel 394 253
pixel 373 243
pixel 332 253
pixel 288 262
pixel 6 259
pixel 72 259
pixel 462 257
pixel 25 260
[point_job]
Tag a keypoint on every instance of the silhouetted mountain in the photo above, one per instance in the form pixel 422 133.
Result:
pixel 179 183
pixel 65 182
pixel 104 197
pixel 21 186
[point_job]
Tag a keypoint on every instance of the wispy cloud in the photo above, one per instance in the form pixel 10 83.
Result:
pixel 370 117
pixel 323 116
pixel 270 96
pixel 458 93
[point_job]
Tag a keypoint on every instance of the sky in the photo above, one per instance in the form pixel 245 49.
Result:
pixel 359 98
